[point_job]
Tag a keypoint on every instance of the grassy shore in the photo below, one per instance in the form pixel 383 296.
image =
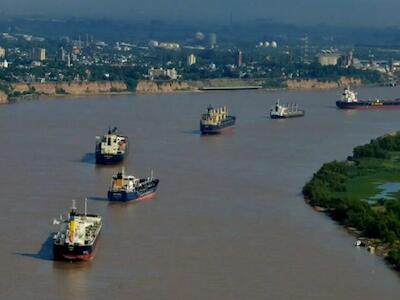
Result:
pixel 368 175
pixel 363 194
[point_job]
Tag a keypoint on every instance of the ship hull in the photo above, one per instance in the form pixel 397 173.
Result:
pixel 228 123
pixel 368 105
pixel 109 159
pixel 123 196
pixel 74 253
pixel 296 115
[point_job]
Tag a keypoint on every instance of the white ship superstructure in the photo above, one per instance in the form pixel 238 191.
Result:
pixel 279 111
pixel 349 96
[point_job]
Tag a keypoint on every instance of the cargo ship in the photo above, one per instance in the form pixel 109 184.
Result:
pixel 285 111
pixel 77 237
pixel 129 188
pixel 349 101
pixel 216 120
pixel 112 148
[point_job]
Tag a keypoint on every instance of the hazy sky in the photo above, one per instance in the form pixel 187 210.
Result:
pixel 339 12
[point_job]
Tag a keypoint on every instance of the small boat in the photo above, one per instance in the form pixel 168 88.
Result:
pixel 279 111
pixel 77 236
pixel 112 148
pixel 129 188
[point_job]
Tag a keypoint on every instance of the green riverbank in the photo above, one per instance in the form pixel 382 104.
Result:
pixel 363 194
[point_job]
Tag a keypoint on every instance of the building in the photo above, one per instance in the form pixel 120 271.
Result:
pixel 199 36
pixel 4 64
pixel 347 60
pixel 328 58
pixel 38 54
pixel 2 52
pixel 68 60
pixel 156 73
pixel 191 59
pixel 35 63
pixel 153 44
pixel 160 73
pixel 239 61
pixel 172 74
pixel 61 54
pixel 169 46
pixel 212 40
pixel 76 50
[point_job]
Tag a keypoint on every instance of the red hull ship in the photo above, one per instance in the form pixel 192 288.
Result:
pixel 349 101
pixel 77 237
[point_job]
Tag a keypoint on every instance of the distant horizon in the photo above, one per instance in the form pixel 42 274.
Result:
pixel 185 21
pixel 342 13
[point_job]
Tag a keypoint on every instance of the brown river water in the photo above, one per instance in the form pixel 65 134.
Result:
pixel 228 222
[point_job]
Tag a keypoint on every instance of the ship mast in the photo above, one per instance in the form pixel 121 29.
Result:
pixel 73 207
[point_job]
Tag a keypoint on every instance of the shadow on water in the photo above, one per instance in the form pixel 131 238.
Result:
pixel 118 203
pixel 194 132
pixel 89 158
pixel 198 132
pixel 45 252
pixel 98 198
pixel 332 106
pixel 227 132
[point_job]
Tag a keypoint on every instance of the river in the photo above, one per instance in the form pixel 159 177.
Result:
pixel 229 221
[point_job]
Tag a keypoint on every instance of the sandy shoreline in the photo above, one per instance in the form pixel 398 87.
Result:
pixel 26 91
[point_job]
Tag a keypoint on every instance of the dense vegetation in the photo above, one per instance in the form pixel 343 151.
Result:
pixel 333 73
pixel 347 189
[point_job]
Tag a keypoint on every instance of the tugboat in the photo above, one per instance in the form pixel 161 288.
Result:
pixel 349 101
pixel 112 148
pixel 285 111
pixel 77 237
pixel 216 120
pixel 129 188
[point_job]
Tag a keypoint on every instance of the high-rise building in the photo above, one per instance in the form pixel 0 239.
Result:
pixel 68 60
pixel 239 59
pixel 212 40
pixel 350 59
pixel 38 54
pixel 191 59
pixel 2 52
pixel 305 49
pixel 61 54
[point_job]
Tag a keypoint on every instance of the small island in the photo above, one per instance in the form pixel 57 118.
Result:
pixel 363 194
